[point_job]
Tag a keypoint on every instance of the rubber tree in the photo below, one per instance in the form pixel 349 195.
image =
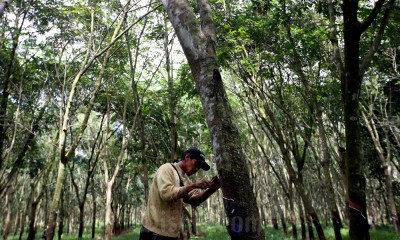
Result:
pixel 198 43
pixel 351 64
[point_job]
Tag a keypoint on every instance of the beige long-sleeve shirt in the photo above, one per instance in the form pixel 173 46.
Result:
pixel 164 210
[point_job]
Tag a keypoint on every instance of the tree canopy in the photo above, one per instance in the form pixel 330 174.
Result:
pixel 294 103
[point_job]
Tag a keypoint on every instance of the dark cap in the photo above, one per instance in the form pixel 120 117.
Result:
pixel 199 156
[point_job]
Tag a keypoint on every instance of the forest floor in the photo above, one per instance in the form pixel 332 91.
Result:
pixel 218 232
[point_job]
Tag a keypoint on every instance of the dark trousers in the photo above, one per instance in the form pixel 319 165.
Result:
pixel 146 234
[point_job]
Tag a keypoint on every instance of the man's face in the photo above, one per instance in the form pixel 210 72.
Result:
pixel 192 167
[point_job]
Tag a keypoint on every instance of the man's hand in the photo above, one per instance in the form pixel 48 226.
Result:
pixel 211 186
pixel 202 184
pixel 214 183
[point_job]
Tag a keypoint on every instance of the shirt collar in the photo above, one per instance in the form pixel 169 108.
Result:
pixel 181 172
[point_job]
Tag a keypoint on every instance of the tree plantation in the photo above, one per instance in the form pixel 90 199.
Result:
pixel 295 104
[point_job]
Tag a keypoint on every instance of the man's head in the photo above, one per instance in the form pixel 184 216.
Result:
pixel 194 159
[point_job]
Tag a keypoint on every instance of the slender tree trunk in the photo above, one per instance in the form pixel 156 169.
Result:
pixel 302 220
pixel 56 199
pixel 7 221
pixel 61 217
pixel 17 220
pixel 310 229
pixel 122 222
pixel 108 222
pixel 280 212
pixel 81 220
pixel 194 221
pixel 294 228
pixel 303 228
pixel 32 218
pixel 24 216
pixel 94 211
pixel 292 215
pixel 271 194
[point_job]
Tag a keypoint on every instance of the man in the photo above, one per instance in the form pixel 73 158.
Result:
pixel 170 188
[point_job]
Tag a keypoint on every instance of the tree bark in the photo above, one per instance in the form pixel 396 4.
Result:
pixel 198 43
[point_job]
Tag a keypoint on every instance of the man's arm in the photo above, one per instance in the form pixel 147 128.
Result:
pixel 197 199
pixel 184 191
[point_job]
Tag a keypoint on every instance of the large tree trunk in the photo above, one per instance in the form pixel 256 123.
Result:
pixel 198 44
pixel 350 92
pixel 351 71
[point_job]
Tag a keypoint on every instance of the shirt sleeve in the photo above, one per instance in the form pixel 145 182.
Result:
pixel 167 184
pixel 186 181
